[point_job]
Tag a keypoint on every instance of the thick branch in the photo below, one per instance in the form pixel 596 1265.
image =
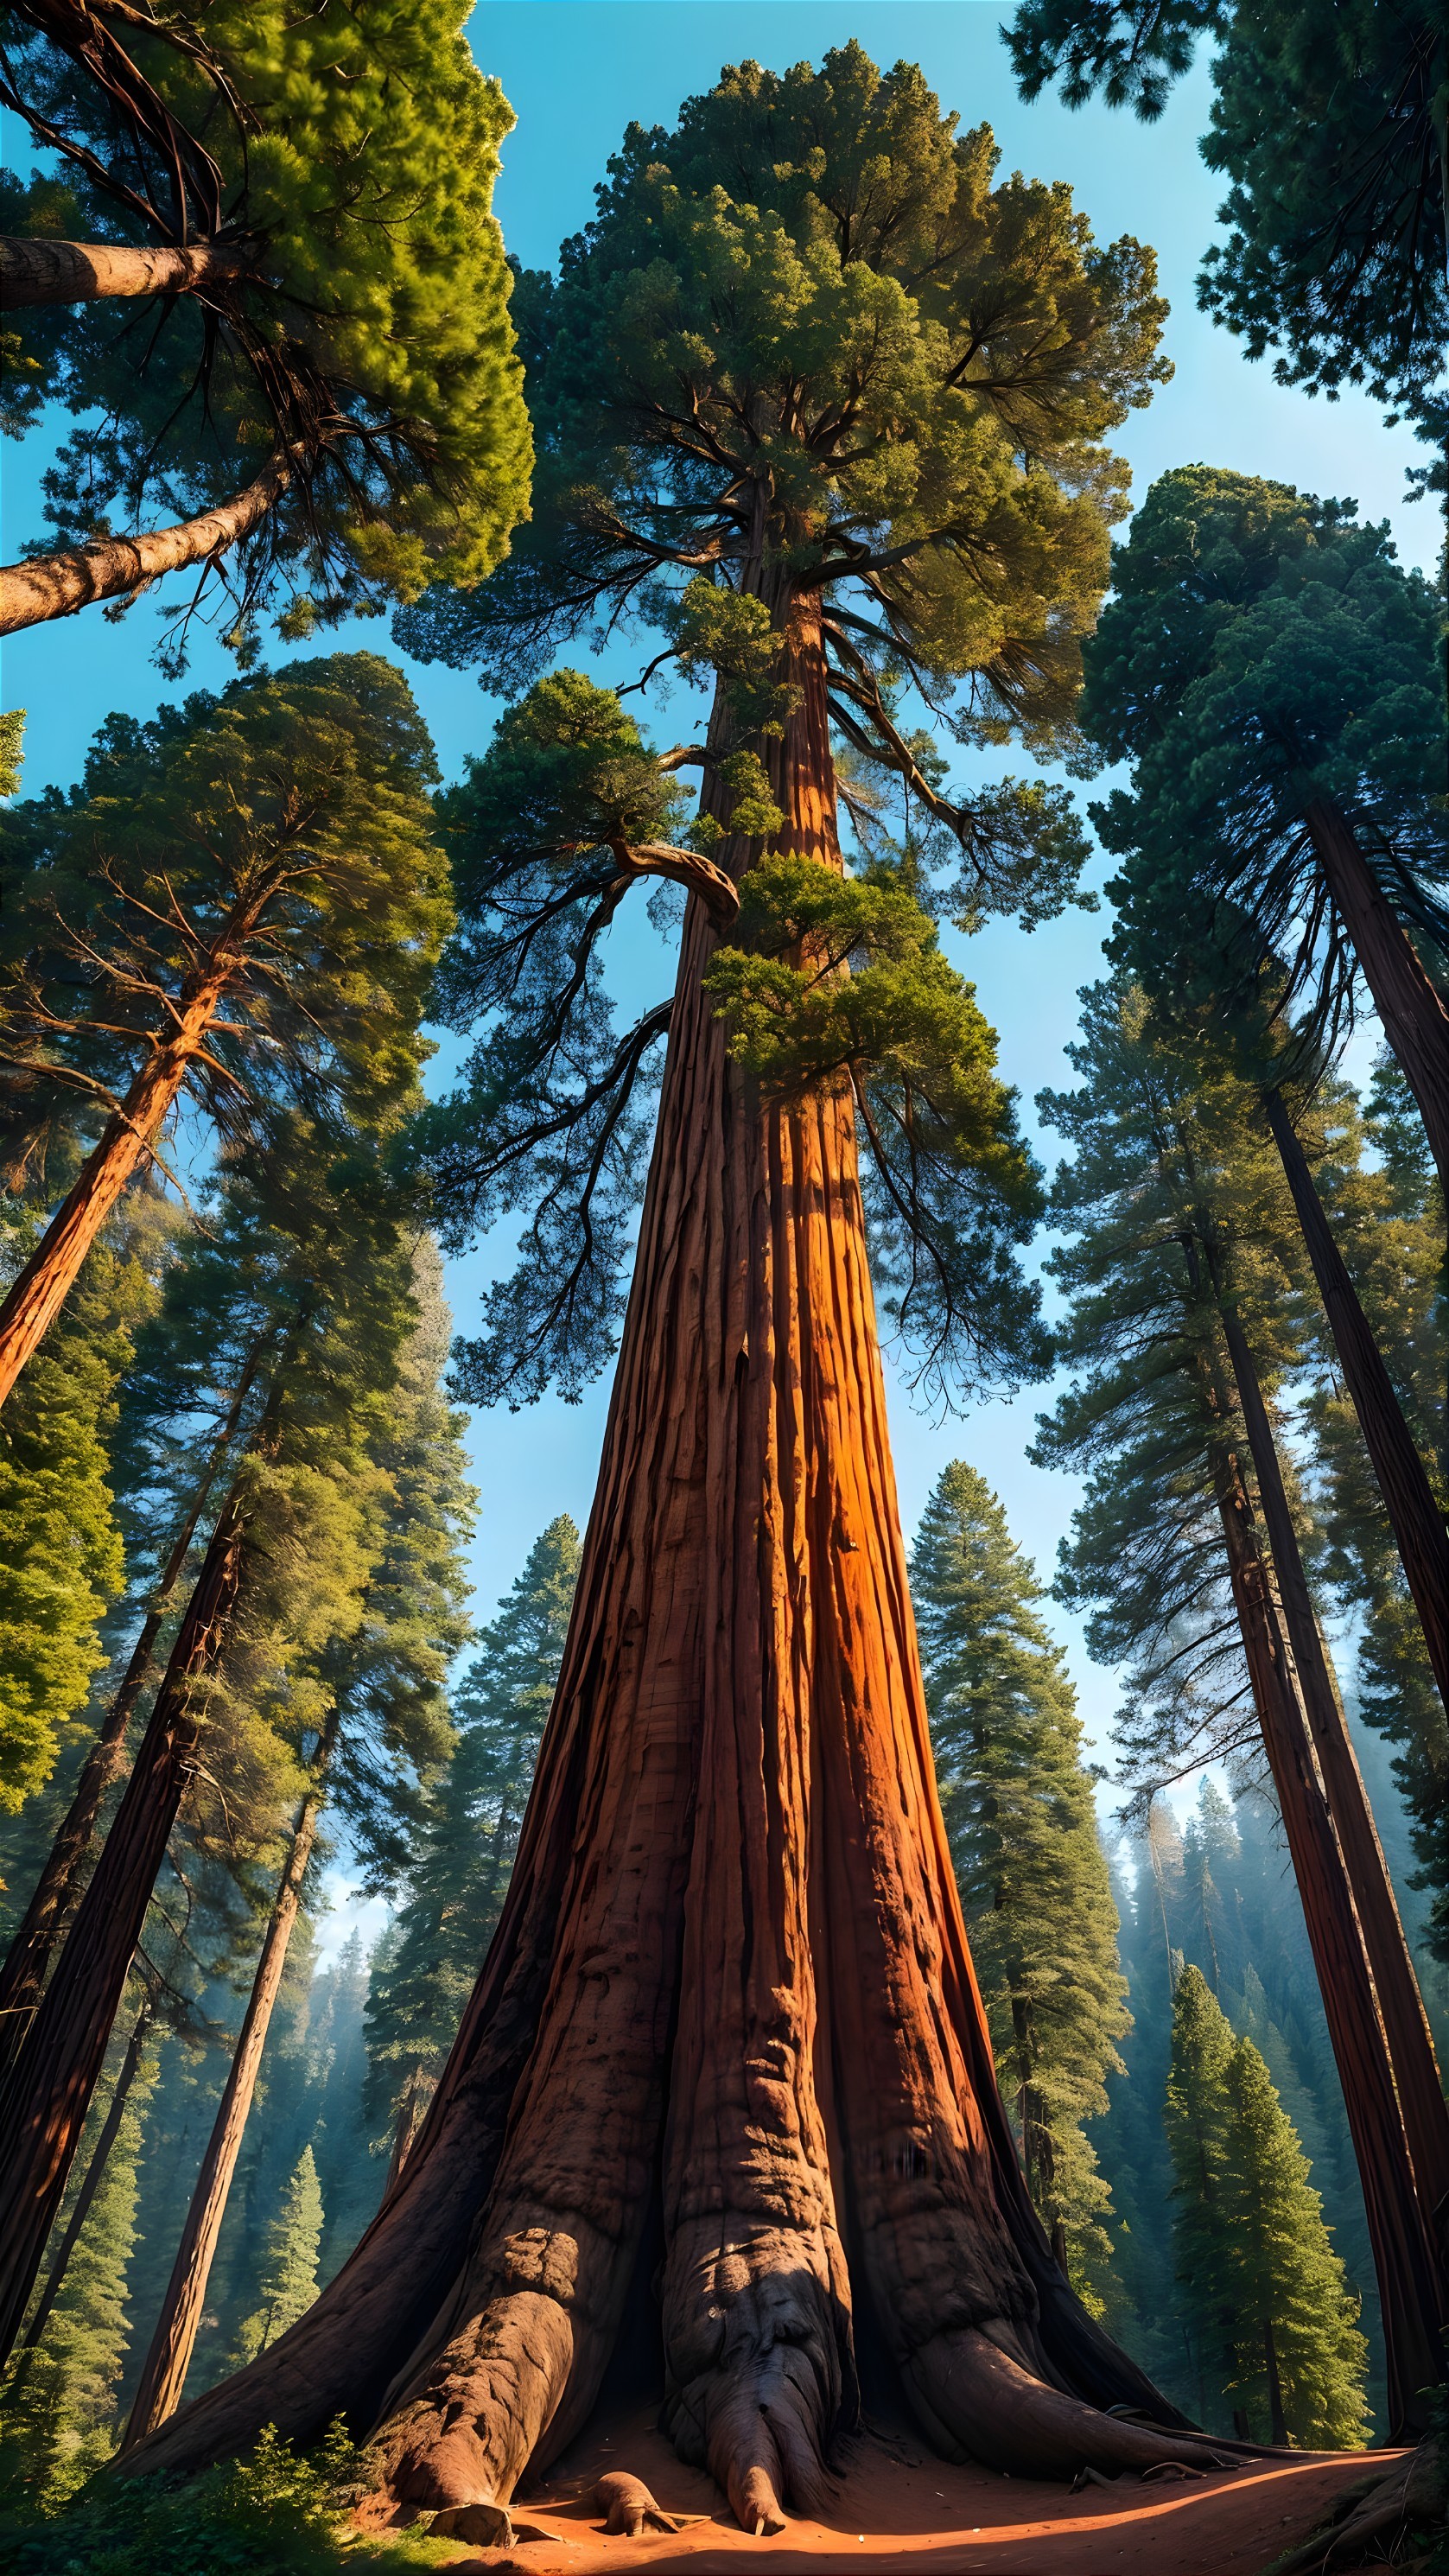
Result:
pixel 67 272
pixel 716 890
pixel 111 567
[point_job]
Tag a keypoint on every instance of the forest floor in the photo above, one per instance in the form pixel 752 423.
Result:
pixel 900 2512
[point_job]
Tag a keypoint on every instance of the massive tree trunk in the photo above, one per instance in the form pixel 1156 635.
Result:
pixel 48 2091
pixel 1414 1012
pixel 1406 2027
pixel 1404 2259
pixel 58 585
pixel 41 271
pixel 168 2358
pixel 730 1999
pixel 1420 1531
pixel 57 1891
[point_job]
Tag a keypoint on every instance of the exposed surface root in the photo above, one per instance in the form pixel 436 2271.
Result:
pixel 758 2351
pixel 629 2510
pixel 992 2410
pixel 1413 2494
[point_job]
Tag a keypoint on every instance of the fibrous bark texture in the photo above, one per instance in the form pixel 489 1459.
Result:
pixel 730 2000
pixel 113 567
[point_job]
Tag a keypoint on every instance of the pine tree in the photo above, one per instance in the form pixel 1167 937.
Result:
pixel 289 2274
pixel 459 1873
pixel 1273 2322
pixel 331 395
pixel 1021 1820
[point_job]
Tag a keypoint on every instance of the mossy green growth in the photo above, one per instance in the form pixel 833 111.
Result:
pixel 271 2514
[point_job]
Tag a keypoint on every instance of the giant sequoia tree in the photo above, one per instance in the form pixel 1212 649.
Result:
pixel 828 405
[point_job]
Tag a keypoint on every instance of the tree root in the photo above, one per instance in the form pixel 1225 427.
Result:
pixel 629 2510
pixel 976 2399
pixel 757 2344
pixel 1412 2493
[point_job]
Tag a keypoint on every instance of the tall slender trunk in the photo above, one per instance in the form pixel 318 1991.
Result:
pixel 57 1890
pixel 113 567
pixel 48 2091
pixel 1403 2257
pixel 41 271
pixel 730 1989
pixel 1414 1012
pixel 1420 1531
pixel 1277 2420
pixel 41 1288
pixel 163 2374
pixel 94 2175
pixel 411 2111
pixel 1411 2049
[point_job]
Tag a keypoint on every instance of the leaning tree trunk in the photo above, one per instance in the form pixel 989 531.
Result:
pixel 168 2358
pixel 1409 1003
pixel 48 2092
pixel 94 2176
pixel 58 585
pixel 38 270
pixel 57 1891
pixel 1404 2259
pixel 1406 2028
pixel 730 1995
pixel 1420 1531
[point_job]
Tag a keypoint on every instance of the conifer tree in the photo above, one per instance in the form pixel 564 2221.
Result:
pixel 1331 130
pixel 1181 1266
pixel 289 2275
pixel 1273 677
pixel 330 401
pixel 1265 2290
pixel 1019 1812
pixel 243 902
pixel 462 1858
pixel 827 403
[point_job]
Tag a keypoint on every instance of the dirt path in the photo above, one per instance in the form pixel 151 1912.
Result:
pixel 901 2512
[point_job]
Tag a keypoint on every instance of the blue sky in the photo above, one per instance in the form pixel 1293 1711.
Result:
pixel 576 71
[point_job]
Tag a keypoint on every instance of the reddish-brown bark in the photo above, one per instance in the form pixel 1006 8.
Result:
pixel 57 1890
pixel 730 1994
pixel 173 2339
pixel 42 271
pixel 1409 1003
pixel 1411 2050
pixel 48 2091
pixel 1404 2259
pixel 57 585
pixel 1420 1531
pixel 94 2176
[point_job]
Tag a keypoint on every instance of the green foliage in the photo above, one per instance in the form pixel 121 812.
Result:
pixel 270 2514
pixel 1173 1171
pixel 1331 127
pixel 61 1562
pixel 12 742
pixel 283 827
pixel 288 2284
pixel 1262 654
pixel 1264 2288
pixel 1019 1811
pixel 367 320
pixel 461 1859
pixel 839 983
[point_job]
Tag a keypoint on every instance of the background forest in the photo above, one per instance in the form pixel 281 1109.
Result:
pixel 313 1421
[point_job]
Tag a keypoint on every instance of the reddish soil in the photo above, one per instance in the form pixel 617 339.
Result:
pixel 902 2512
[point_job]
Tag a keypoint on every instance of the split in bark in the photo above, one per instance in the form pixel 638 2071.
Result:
pixel 45 2099
pixel 59 585
pixel 163 2374
pixel 730 1990
pixel 1419 1528
pixel 1413 1011
pixel 1411 2049
pixel 40 271
pixel 57 1891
